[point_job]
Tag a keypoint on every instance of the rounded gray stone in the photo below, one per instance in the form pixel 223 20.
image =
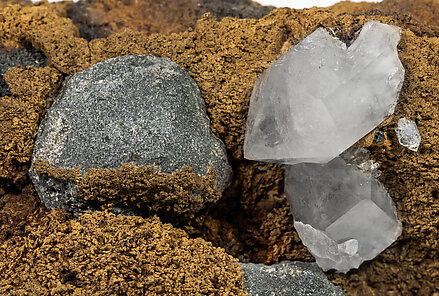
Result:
pixel 137 109
pixel 287 278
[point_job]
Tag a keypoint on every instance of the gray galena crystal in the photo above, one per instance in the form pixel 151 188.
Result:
pixel 136 109
pixel 287 278
pixel 341 212
pixel 408 134
pixel 321 97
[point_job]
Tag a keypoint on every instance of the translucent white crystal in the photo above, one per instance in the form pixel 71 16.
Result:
pixel 321 97
pixel 408 134
pixel 342 213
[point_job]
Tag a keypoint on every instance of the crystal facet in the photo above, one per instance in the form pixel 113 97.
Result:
pixel 321 97
pixel 341 212
pixel 408 134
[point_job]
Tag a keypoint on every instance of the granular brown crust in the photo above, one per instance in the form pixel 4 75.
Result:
pixel 48 32
pixel 16 209
pixel 5 3
pixel 252 221
pixel 101 18
pixel 104 254
pixel 181 193
pixel 33 90
pixel 426 11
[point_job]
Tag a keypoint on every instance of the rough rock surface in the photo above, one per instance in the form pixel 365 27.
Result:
pixel 253 220
pixel 426 11
pixel 287 279
pixel 18 57
pixel 105 254
pixel 16 209
pixel 321 97
pixel 138 109
pixel 101 18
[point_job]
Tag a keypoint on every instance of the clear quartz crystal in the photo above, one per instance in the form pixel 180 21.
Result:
pixel 341 212
pixel 408 134
pixel 321 97
pixel 312 104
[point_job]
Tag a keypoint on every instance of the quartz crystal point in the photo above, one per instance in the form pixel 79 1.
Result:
pixel 408 134
pixel 321 97
pixel 341 212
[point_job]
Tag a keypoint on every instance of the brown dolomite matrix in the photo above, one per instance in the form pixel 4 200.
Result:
pixel 141 110
pixel 105 254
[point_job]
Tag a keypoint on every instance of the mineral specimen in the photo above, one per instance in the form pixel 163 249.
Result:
pixel 408 134
pixel 137 109
pixel 341 212
pixel 321 97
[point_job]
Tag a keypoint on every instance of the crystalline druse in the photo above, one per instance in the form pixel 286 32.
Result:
pixel 321 97
pixel 341 212
pixel 408 134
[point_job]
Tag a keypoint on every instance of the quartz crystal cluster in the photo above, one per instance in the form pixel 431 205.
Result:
pixel 321 97
pixel 306 111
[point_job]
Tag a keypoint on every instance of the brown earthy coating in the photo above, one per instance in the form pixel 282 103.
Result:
pixel 252 220
pixel 5 3
pixel 42 27
pixel 426 11
pixel 100 18
pixel 15 209
pixel 104 254
pixel 32 91
pixel 142 188
pixel 352 7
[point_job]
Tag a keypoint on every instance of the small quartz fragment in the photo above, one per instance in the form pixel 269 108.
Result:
pixel 321 97
pixel 408 134
pixel 341 212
